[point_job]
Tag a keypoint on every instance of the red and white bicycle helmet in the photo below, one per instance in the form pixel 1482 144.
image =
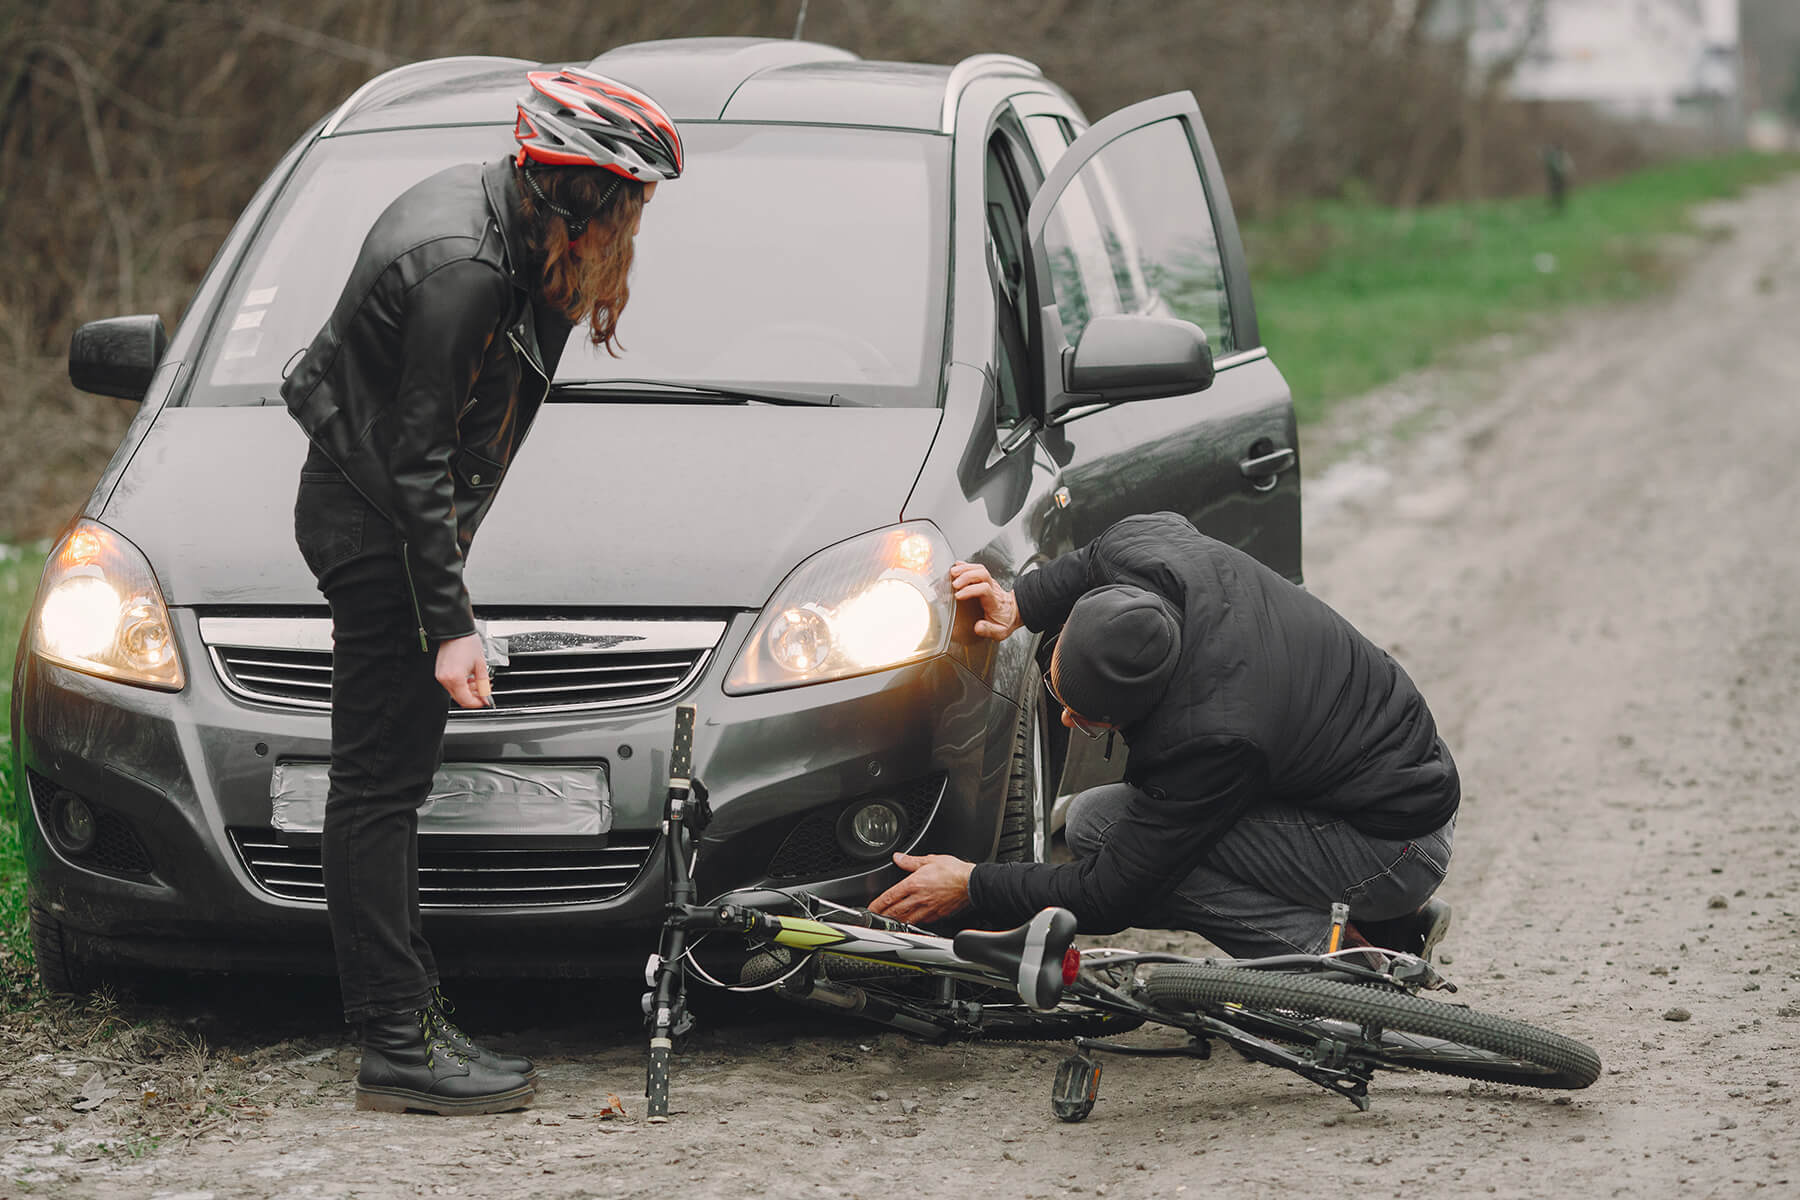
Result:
pixel 575 118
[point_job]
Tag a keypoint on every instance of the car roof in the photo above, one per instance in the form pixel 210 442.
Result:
pixel 695 79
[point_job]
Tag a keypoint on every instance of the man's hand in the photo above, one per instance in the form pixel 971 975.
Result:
pixel 462 669
pixel 999 612
pixel 937 887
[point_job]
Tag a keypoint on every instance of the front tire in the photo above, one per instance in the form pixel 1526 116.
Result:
pixel 1414 1032
pixel 61 967
pixel 1025 822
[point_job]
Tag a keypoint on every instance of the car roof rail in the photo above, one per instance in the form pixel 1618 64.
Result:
pixel 405 76
pixel 977 66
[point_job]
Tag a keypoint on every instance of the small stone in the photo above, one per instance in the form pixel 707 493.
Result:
pixel 1727 1123
pixel 879 1097
pixel 909 1107
pixel 1718 902
pixel 1678 1014
pixel 1445 958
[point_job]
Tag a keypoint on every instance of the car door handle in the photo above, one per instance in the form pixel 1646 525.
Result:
pixel 1264 470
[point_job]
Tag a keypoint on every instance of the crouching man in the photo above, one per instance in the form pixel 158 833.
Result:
pixel 1280 761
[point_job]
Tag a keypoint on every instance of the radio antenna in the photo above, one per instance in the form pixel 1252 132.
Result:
pixel 800 21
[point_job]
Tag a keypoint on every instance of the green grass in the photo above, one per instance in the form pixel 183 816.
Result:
pixel 18 581
pixel 1351 295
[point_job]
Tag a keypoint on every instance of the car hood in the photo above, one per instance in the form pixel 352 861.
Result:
pixel 686 505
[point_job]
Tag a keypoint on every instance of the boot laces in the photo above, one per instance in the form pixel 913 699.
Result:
pixel 436 1037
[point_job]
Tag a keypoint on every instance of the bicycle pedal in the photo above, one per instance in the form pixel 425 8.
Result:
pixel 1076 1088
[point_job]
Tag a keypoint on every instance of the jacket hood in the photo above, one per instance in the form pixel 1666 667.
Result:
pixel 608 505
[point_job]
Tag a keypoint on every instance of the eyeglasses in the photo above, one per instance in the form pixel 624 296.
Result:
pixel 1087 730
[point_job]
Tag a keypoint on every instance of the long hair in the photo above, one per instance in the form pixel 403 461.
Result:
pixel 587 278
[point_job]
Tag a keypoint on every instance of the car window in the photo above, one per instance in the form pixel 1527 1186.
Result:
pixel 1133 233
pixel 804 258
pixel 1005 197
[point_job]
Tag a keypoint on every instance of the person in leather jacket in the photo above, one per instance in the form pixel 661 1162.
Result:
pixel 1280 762
pixel 415 397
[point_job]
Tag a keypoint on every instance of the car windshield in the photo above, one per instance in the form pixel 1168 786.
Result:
pixel 803 259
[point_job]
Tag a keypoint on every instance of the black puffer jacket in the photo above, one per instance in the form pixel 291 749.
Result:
pixel 430 370
pixel 1276 699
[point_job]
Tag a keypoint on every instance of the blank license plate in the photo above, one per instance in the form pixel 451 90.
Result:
pixel 531 799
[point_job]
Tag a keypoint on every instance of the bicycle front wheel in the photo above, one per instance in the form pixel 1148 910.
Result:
pixel 1386 1028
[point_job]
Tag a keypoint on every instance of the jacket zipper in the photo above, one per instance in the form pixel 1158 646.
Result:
pixel 418 614
pixel 527 360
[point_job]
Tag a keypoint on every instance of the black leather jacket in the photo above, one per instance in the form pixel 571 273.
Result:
pixel 429 372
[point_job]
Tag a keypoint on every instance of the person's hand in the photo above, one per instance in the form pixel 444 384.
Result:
pixel 937 887
pixel 999 611
pixel 462 669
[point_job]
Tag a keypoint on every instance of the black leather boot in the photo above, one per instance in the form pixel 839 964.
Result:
pixel 462 1043
pixel 407 1067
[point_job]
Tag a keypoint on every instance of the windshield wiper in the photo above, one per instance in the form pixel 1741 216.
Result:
pixel 602 389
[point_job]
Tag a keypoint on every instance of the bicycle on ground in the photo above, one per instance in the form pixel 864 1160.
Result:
pixel 1335 1018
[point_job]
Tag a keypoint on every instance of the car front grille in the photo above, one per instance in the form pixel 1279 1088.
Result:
pixel 452 876
pixel 554 665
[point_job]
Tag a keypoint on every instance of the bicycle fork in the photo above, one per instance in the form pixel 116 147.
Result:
pixel 665 1004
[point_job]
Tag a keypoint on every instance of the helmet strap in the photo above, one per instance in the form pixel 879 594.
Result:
pixel 577 225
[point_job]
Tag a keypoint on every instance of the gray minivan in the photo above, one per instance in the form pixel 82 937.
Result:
pixel 892 315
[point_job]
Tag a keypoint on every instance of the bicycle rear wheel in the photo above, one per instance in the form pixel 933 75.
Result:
pixel 1386 1028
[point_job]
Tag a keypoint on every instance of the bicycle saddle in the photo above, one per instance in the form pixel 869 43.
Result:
pixel 1039 956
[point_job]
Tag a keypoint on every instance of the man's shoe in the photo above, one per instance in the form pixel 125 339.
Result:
pixel 1416 933
pixel 408 1068
pixel 441 1026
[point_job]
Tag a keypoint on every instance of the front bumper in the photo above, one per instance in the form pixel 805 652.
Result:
pixel 189 773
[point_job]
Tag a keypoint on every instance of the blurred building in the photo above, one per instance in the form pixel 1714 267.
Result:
pixel 1678 61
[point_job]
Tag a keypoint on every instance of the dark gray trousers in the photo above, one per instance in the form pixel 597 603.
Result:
pixel 1267 887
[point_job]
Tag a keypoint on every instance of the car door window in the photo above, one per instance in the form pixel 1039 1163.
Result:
pixel 1133 233
pixel 1005 197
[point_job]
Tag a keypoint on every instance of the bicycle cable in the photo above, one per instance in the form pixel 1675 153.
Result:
pixel 693 964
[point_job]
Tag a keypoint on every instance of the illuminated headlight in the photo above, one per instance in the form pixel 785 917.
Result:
pixel 874 602
pixel 99 610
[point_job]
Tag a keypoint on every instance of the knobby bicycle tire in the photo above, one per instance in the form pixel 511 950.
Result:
pixel 1457 1041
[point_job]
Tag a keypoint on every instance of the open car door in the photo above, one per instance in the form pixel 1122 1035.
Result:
pixel 1132 242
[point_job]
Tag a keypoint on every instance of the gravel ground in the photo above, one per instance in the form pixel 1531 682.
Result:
pixel 1583 549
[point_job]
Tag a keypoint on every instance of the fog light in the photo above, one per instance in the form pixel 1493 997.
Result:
pixel 872 829
pixel 75 827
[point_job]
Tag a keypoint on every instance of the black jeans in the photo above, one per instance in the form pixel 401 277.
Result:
pixel 387 741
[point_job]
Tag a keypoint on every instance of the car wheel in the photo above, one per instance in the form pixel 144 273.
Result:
pixel 1025 826
pixel 61 968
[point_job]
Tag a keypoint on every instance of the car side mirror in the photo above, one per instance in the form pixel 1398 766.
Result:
pixel 1134 357
pixel 117 356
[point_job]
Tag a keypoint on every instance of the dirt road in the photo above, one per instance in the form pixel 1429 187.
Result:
pixel 1586 553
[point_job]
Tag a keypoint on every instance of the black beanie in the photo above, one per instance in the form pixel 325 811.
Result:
pixel 1116 654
